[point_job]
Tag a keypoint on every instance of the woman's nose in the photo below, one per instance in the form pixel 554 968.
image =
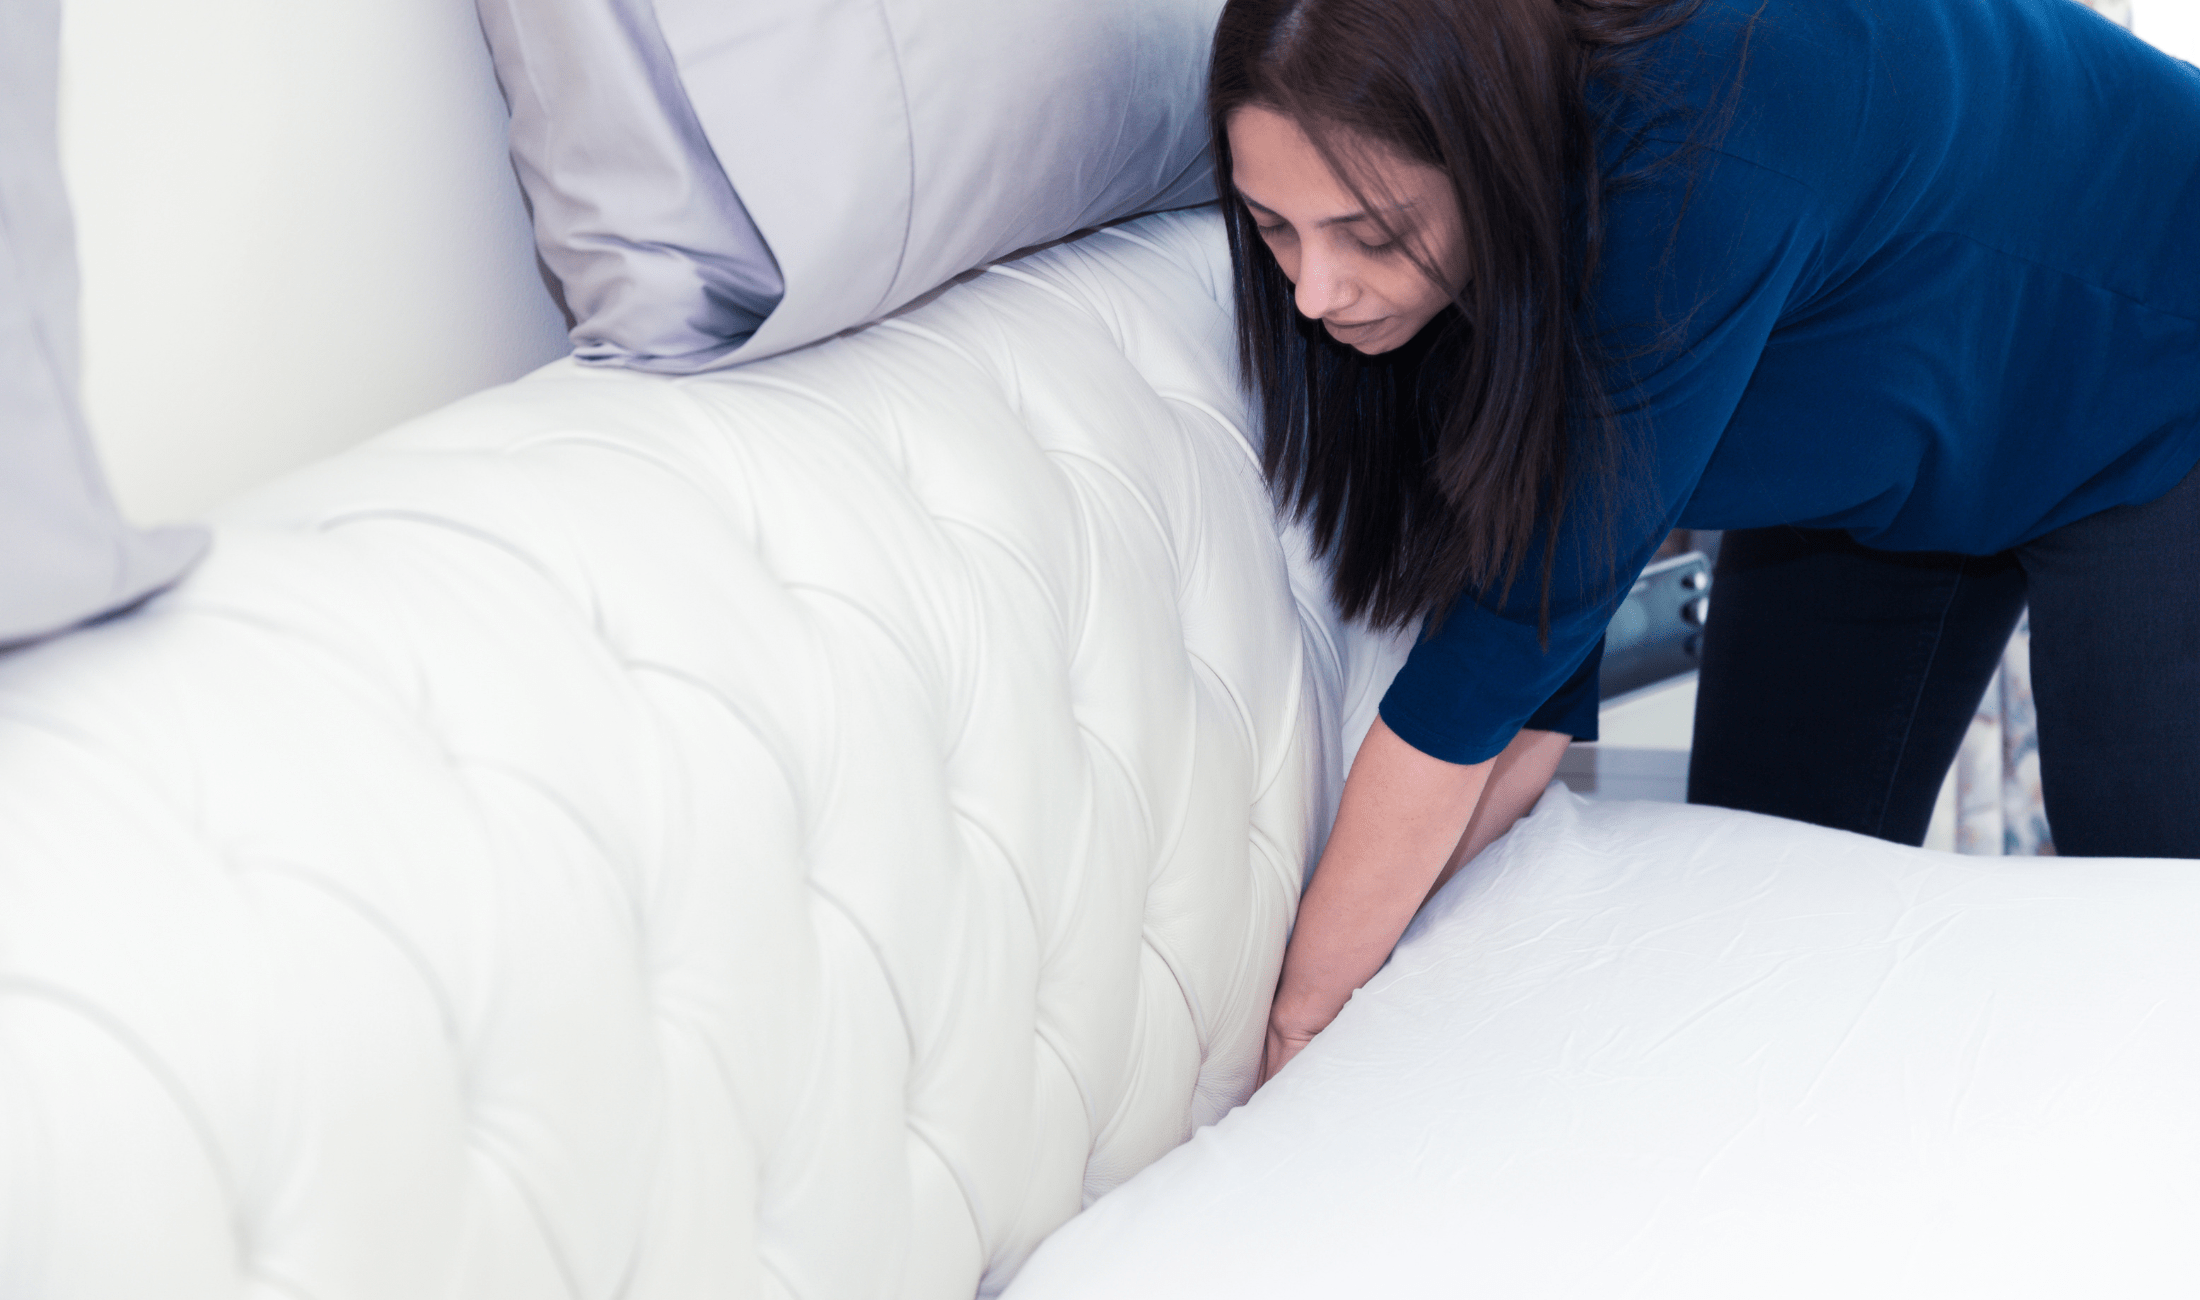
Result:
pixel 1325 286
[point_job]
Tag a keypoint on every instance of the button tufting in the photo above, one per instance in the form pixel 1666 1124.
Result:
pixel 799 830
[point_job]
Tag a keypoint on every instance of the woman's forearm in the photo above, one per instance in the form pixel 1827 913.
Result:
pixel 1402 815
pixel 1405 824
pixel 1520 776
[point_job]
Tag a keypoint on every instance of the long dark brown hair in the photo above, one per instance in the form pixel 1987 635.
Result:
pixel 1435 469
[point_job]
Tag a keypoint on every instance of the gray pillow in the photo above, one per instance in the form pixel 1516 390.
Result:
pixel 65 553
pixel 716 181
pixel 660 264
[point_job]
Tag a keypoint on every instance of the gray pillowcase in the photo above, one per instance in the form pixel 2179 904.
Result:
pixel 66 555
pixel 661 267
pixel 716 181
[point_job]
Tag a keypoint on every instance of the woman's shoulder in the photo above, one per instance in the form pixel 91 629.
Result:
pixel 1786 78
pixel 1992 120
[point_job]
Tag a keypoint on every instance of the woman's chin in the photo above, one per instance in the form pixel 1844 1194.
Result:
pixel 1375 345
pixel 1369 342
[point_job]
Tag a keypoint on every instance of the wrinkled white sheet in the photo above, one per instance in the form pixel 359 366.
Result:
pixel 1643 1050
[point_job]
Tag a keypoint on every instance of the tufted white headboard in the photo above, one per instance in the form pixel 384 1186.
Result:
pixel 794 832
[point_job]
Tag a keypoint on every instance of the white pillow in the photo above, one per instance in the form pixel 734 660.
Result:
pixel 697 166
pixel 1648 1050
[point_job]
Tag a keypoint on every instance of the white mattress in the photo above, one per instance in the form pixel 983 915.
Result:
pixel 1649 1050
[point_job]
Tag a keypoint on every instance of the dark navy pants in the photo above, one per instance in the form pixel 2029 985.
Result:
pixel 1838 681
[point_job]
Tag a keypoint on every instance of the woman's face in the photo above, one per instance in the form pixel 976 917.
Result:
pixel 1363 288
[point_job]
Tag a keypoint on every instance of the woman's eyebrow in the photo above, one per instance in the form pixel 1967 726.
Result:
pixel 1346 219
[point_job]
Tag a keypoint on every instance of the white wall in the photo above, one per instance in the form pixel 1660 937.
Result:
pixel 2173 25
pixel 297 227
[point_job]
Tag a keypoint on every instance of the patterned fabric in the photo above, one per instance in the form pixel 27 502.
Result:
pixel 1997 775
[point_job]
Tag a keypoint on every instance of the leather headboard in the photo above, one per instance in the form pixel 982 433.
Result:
pixel 796 831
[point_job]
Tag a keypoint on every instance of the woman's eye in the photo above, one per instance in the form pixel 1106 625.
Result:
pixel 1383 247
pixel 1270 232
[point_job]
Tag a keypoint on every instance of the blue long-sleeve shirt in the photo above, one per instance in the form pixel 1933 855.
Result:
pixel 1936 283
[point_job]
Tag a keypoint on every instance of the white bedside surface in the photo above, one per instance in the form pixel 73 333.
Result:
pixel 1642 752
pixel 1658 717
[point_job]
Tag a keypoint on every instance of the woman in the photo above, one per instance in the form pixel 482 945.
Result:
pixel 1903 293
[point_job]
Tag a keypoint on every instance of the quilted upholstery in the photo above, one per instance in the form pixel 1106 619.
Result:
pixel 793 832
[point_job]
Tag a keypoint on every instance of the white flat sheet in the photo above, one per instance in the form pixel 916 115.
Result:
pixel 1650 1050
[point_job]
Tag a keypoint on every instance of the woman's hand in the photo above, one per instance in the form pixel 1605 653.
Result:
pixel 1401 818
pixel 1406 822
pixel 1283 1044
